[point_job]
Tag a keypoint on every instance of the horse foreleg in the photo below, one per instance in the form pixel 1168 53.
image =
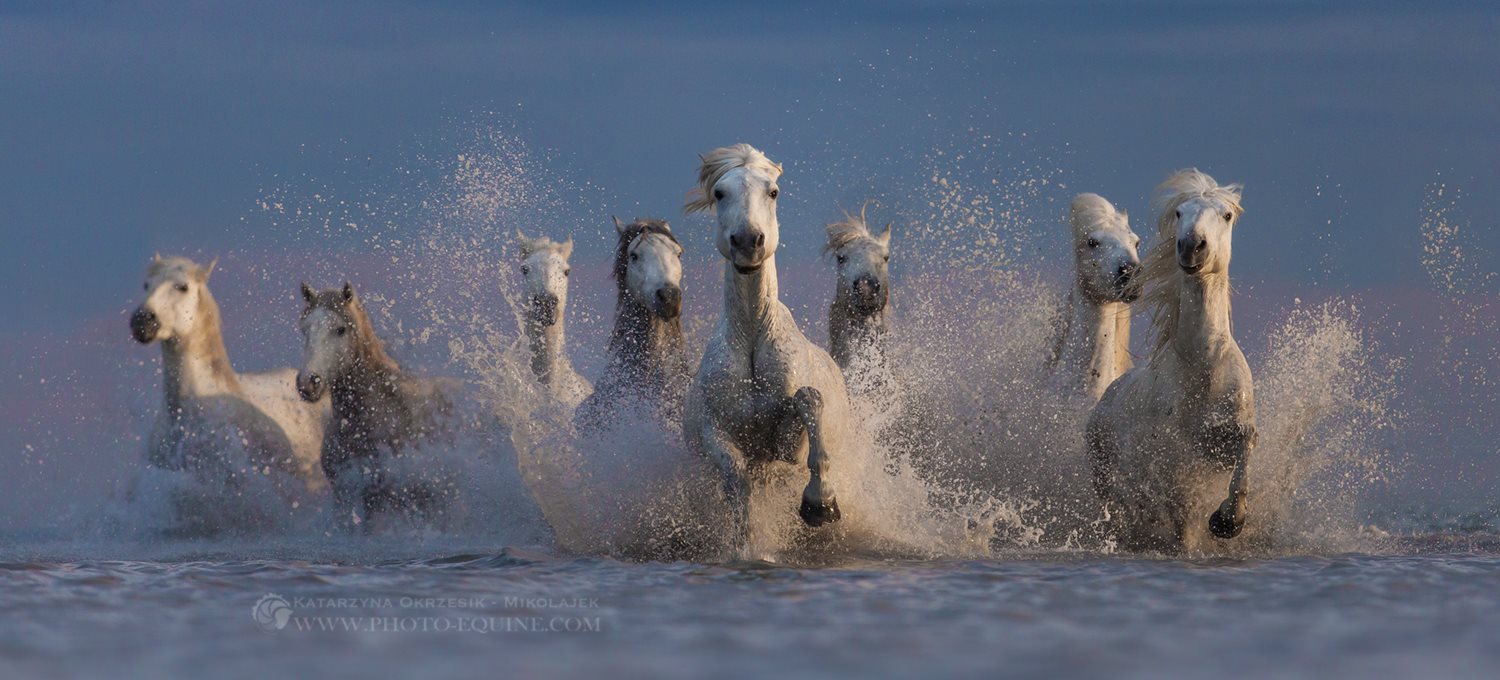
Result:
pixel 1237 441
pixel 819 505
pixel 736 484
pixel 1101 461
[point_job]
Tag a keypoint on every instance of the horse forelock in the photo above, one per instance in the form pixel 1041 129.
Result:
pixel 720 162
pixel 1159 267
pixel 166 266
pixel 847 231
pixel 1091 212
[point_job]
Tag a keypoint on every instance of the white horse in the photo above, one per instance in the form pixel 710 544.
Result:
pixel 545 269
pixel 1092 344
pixel 207 408
pixel 763 394
pixel 646 361
pixel 856 318
pixel 1168 437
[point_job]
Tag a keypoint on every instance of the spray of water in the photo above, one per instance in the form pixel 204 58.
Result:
pixel 967 451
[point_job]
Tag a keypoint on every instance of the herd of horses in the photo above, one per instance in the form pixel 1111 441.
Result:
pixel 1167 442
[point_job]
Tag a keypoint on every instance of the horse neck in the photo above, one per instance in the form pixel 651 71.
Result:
pixel 197 364
pixel 847 331
pixel 373 382
pixel 547 357
pixel 1203 319
pixel 645 344
pixel 1097 337
pixel 749 299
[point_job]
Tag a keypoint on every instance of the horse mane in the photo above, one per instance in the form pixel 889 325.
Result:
pixel 717 163
pixel 632 231
pixel 1090 212
pixel 852 228
pixel 1159 267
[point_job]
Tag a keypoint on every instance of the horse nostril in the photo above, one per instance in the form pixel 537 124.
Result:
pixel 760 240
pixel 734 241
pixel 315 380
pixel 1201 245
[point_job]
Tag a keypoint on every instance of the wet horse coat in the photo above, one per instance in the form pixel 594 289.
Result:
pixel 763 394
pixel 1168 437
pixel 646 360
pixel 208 410
pixel 380 413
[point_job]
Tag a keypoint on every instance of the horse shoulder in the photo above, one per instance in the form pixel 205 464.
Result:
pixel 1234 386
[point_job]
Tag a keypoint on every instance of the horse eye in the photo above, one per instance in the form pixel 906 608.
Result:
pixel 525 270
pixel 340 331
pixel 1228 216
pixel 568 271
pixel 1179 214
pixel 887 258
pixel 634 257
pixel 182 287
pixel 774 193
pixel 1093 243
pixel 146 286
pixel 718 194
pixel 842 258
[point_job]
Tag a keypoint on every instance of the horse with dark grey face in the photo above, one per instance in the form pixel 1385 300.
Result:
pixel 856 319
pixel 545 272
pixel 646 361
pixel 379 411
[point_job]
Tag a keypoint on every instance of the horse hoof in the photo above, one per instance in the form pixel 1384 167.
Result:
pixel 1223 527
pixel 818 514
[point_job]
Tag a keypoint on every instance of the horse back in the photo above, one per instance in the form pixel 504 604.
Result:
pixel 274 393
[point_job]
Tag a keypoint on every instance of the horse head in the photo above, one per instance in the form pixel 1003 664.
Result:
pixel 739 184
pixel 1199 216
pixel 545 271
pixel 176 294
pixel 648 266
pixel 1104 250
pixel 862 259
pixel 334 326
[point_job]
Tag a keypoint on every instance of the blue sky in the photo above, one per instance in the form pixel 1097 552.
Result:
pixel 128 128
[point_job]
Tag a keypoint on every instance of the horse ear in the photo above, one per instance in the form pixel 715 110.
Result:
pixel 620 227
pixel 308 294
pixel 348 292
pixel 156 256
pixel 525 242
pixel 209 270
pixel 567 248
pixel 885 234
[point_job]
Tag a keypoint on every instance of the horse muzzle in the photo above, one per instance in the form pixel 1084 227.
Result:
pixel 144 326
pixel 867 296
pixel 668 303
pixel 309 386
pixel 747 251
pixel 1192 253
pixel 542 309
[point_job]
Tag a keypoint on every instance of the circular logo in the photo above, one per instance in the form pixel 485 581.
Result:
pixel 272 612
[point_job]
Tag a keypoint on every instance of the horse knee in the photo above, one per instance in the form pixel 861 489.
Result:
pixel 809 402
